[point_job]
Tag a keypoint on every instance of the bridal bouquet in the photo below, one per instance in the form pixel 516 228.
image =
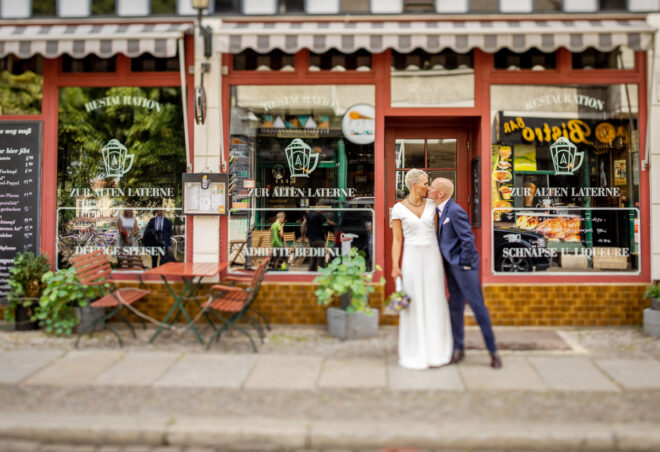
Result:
pixel 398 301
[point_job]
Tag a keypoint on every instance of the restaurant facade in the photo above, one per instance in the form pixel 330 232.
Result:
pixel 540 120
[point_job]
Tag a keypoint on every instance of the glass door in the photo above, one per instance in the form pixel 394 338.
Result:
pixel 440 152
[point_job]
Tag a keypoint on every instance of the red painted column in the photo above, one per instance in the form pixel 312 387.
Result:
pixel 49 106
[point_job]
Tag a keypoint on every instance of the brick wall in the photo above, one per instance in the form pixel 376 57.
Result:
pixel 588 305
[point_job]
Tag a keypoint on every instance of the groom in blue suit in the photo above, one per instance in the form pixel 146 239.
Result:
pixel 461 262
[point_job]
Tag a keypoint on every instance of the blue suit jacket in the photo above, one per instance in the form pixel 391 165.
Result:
pixel 455 236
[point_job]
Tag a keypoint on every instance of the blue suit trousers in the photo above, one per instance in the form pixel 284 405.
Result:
pixel 465 285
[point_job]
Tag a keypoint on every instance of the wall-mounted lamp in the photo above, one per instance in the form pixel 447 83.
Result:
pixel 207 34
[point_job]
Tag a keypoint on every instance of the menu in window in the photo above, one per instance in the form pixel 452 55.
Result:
pixel 205 194
pixel 20 182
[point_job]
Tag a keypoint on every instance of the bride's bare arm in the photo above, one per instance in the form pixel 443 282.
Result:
pixel 397 239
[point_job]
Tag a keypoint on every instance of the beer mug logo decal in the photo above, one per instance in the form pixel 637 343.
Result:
pixel 300 158
pixel 565 157
pixel 116 159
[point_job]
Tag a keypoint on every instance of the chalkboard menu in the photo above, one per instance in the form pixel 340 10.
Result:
pixel 20 182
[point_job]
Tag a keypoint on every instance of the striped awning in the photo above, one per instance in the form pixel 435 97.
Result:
pixel 103 40
pixel 433 36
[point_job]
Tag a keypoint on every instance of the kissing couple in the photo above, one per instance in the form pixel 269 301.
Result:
pixel 439 245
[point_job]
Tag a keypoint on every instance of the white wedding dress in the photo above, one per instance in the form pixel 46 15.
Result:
pixel 425 337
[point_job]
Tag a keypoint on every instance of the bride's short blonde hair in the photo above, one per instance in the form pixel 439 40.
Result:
pixel 414 176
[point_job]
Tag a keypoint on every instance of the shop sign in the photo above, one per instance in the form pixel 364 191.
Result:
pixel 359 124
pixel 301 101
pixel 167 192
pixel 133 101
pixel 564 153
pixel 562 99
pixel 302 162
pixel 293 192
pixel 540 131
pixel 116 159
pixel 556 192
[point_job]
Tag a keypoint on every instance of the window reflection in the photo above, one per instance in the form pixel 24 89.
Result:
pixel 21 85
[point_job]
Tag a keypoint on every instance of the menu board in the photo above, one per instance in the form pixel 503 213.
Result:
pixel 205 194
pixel 20 182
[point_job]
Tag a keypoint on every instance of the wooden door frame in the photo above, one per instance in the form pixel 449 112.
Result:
pixel 463 133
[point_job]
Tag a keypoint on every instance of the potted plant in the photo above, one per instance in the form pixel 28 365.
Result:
pixel 346 278
pixel 25 288
pixel 64 302
pixel 652 313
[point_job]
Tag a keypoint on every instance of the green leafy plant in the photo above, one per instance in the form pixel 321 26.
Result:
pixel 63 293
pixel 653 290
pixel 346 275
pixel 25 284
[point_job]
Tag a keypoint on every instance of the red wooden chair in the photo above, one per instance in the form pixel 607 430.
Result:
pixel 93 269
pixel 234 300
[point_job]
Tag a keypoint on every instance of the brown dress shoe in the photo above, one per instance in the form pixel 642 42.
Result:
pixel 457 356
pixel 495 361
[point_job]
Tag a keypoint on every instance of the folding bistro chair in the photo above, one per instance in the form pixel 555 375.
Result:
pixel 236 301
pixel 94 269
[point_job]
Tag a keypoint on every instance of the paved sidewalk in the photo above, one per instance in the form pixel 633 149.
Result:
pixel 559 389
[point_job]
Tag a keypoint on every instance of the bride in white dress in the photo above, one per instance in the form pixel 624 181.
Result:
pixel 425 338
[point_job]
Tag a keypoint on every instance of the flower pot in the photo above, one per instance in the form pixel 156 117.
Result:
pixel 22 320
pixel 358 325
pixel 655 304
pixel 87 316
pixel 652 322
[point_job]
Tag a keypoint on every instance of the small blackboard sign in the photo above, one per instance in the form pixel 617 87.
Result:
pixel 206 194
pixel 475 206
pixel 20 184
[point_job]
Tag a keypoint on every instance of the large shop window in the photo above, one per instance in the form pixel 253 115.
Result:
pixel 565 179
pixel 121 154
pixel 21 85
pixel 302 164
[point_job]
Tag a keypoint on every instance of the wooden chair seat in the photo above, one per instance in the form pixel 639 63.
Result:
pixel 230 302
pixel 126 295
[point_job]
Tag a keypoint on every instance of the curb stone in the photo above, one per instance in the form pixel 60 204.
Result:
pixel 258 433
